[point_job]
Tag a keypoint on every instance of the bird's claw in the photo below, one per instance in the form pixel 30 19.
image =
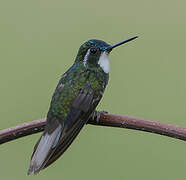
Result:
pixel 95 116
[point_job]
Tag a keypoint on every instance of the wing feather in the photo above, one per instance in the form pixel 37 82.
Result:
pixel 52 145
pixel 74 122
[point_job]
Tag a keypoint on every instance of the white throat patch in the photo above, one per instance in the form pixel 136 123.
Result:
pixel 104 62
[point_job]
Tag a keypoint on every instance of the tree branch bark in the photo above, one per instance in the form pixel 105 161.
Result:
pixel 112 120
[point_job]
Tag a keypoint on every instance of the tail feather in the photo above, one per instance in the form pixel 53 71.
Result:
pixel 44 150
pixel 67 140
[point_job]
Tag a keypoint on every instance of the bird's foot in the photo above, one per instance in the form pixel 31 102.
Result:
pixel 95 116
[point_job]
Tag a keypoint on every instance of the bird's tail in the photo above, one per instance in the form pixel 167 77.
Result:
pixel 44 149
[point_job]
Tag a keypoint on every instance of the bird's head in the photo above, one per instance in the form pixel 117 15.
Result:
pixel 95 53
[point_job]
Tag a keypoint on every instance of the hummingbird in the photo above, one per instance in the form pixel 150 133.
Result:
pixel 75 99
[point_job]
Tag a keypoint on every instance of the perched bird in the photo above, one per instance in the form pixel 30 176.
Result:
pixel 75 98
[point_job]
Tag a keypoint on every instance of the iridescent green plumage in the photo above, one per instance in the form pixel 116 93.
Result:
pixel 75 99
pixel 76 96
pixel 70 85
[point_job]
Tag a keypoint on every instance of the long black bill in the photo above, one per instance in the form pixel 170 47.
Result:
pixel 120 43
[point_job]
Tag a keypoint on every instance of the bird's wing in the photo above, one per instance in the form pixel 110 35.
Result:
pixel 58 137
pixel 80 112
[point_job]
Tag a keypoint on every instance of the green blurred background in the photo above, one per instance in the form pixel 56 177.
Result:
pixel 39 40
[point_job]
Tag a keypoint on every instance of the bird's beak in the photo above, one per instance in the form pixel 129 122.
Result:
pixel 120 43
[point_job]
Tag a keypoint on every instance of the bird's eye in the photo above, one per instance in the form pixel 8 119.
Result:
pixel 93 50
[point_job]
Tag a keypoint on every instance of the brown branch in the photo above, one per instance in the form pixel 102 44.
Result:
pixel 111 120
